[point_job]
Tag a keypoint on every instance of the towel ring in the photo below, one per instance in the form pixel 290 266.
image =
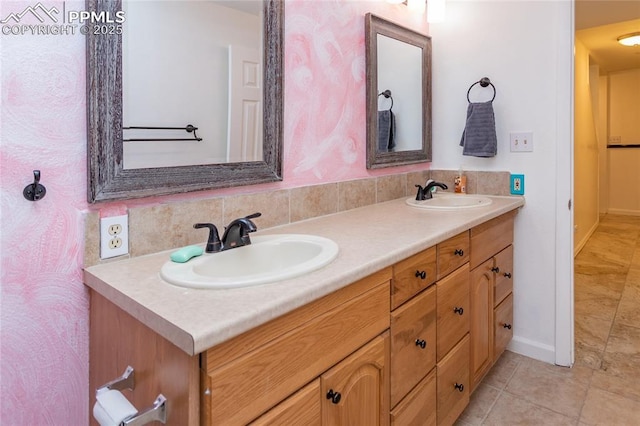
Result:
pixel 483 82
pixel 387 94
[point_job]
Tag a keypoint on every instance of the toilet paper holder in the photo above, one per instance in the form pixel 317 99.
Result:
pixel 157 411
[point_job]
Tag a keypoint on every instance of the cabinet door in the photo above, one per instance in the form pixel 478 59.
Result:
pixel 453 383
pixel 413 343
pixel 355 392
pixel 302 408
pixel 418 408
pixel 481 328
pixel 452 299
pixel 504 275
pixel 503 322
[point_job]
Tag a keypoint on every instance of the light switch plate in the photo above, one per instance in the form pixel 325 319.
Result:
pixel 517 184
pixel 521 141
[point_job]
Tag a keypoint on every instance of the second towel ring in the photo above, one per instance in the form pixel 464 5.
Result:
pixel 387 94
pixel 483 82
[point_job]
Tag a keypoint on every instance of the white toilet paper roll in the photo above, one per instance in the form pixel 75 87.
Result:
pixel 112 407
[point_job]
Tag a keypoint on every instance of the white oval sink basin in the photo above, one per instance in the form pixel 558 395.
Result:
pixel 268 258
pixel 451 202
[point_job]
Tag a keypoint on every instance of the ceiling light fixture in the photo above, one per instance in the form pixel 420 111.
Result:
pixel 632 39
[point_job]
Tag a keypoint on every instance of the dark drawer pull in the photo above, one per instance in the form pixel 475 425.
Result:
pixel 421 274
pixel 508 326
pixel 334 396
pixel 459 252
pixel 421 343
pixel 507 274
pixel 458 310
pixel 495 269
pixel 459 386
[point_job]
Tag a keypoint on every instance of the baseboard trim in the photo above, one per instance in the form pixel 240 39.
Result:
pixel 624 212
pixel 582 243
pixel 532 349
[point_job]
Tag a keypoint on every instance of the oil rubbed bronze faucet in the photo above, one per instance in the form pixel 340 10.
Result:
pixel 236 234
pixel 425 193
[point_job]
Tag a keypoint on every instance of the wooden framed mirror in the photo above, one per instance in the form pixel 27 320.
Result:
pixel 398 72
pixel 107 177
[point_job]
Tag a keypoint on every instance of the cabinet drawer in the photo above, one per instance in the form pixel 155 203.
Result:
pixel 247 387
pixel 490 237
pixel 504 275
pixel 413 275
pixel 452 309
pixel 503 321
pixel 301 408
pixel 419 406
pixel 452 254
pixel 453 383
pixel 413 343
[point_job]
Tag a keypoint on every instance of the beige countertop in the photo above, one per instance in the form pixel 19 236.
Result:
pixel 370 238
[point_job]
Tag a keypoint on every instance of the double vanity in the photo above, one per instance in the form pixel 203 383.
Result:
pixel 396 323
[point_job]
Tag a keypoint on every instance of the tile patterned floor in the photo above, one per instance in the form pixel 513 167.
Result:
pixel 603 387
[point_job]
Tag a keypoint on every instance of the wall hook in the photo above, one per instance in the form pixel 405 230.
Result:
pixel 35 191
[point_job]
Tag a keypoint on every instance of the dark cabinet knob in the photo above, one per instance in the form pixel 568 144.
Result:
pixel 507 274
pixel 458 310
pixel 459 386
pixel 495 269
pixel 334 396
pixel 508 326
pixel 421 343
pixel 421 274
pixel 459 252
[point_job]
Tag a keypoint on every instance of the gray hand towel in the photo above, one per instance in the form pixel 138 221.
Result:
pixel 479 136
pixel 386 131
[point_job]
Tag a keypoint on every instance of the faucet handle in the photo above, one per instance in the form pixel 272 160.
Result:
pixel 213 242
pixel 253 215
pixel 420 195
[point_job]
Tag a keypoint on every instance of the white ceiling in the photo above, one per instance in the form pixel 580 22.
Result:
pixel 598 25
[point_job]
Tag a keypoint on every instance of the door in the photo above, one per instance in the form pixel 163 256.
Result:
pixel 244 141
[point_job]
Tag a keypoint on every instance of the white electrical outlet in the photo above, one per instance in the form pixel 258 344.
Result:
pixel 114 236
pixel 521 141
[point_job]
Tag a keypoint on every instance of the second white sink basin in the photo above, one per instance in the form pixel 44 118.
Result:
pixel 268 259
pixel 451 202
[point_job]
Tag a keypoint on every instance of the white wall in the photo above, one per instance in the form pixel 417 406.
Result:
pixel 525 48
pixel 603 154
pixel 586 212
pixel 624 116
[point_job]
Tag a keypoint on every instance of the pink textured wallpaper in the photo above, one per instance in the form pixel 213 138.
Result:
pixel 43 303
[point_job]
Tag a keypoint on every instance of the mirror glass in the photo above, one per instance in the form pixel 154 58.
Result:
pixel 398 94
pixel 188 97
pixel 207 73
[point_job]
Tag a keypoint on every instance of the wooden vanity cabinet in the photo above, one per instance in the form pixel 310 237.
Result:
pixel 491 262
pixel 404 346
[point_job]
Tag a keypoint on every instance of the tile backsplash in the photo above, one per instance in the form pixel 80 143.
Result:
pixel 165 226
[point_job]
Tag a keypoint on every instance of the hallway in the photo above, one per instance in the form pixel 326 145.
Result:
pixel 603 387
